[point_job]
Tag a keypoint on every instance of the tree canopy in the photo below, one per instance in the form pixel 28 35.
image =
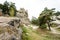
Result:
pixel 8 7
pixel 46 17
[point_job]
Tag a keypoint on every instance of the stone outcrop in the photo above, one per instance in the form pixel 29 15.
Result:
pixel 9 28
pixel 9 21
pixel 23 15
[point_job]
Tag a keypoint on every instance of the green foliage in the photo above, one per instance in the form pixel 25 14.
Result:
pixel 54 25
pixel 5 8
pixel 34 21
pixel 43 26
pixel 57 13
pixel 11 12
pixel 25 35
pixel 1 6
pixel 24 29
pixel 8 8
pixel 12 9
pixel 45 17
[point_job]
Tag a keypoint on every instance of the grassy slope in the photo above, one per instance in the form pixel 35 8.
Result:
pixel 42 35
pixel 33 35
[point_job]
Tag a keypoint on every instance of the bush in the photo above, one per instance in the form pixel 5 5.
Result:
pixel 25 35
pixel 34 21
pixel 24 29
pixel 54 25
pixel 43 26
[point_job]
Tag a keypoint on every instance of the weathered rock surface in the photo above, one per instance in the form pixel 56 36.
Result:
pixel 9 21
pixel 23 15
pixel 9 28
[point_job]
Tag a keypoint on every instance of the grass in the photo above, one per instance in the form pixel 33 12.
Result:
pixel 58 29
pixel 30 34
pixel 47 35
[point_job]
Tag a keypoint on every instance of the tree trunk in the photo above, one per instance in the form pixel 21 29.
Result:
pixel 49 25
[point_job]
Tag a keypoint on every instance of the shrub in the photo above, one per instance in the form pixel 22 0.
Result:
pixel 43 26
pixel 25 35
pixel 34 21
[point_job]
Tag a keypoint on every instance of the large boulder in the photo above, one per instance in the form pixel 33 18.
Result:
pixel 9 28
pixel 23 15
pixel 9 21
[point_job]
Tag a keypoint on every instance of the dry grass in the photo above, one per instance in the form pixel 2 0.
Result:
pixel 42 35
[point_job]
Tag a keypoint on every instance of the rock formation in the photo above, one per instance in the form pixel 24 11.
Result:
pixel 9 28
pixel 23 15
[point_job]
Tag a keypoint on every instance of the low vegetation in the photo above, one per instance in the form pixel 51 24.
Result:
pixel 25 35
pixel 34 21
pixel 8 8
pixel 29 34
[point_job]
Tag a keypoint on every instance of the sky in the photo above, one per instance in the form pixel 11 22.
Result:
pixel 35 7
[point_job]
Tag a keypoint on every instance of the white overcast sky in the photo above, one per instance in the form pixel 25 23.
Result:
pixel 35 7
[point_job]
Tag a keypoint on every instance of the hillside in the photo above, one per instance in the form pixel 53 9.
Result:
pixel 41 34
